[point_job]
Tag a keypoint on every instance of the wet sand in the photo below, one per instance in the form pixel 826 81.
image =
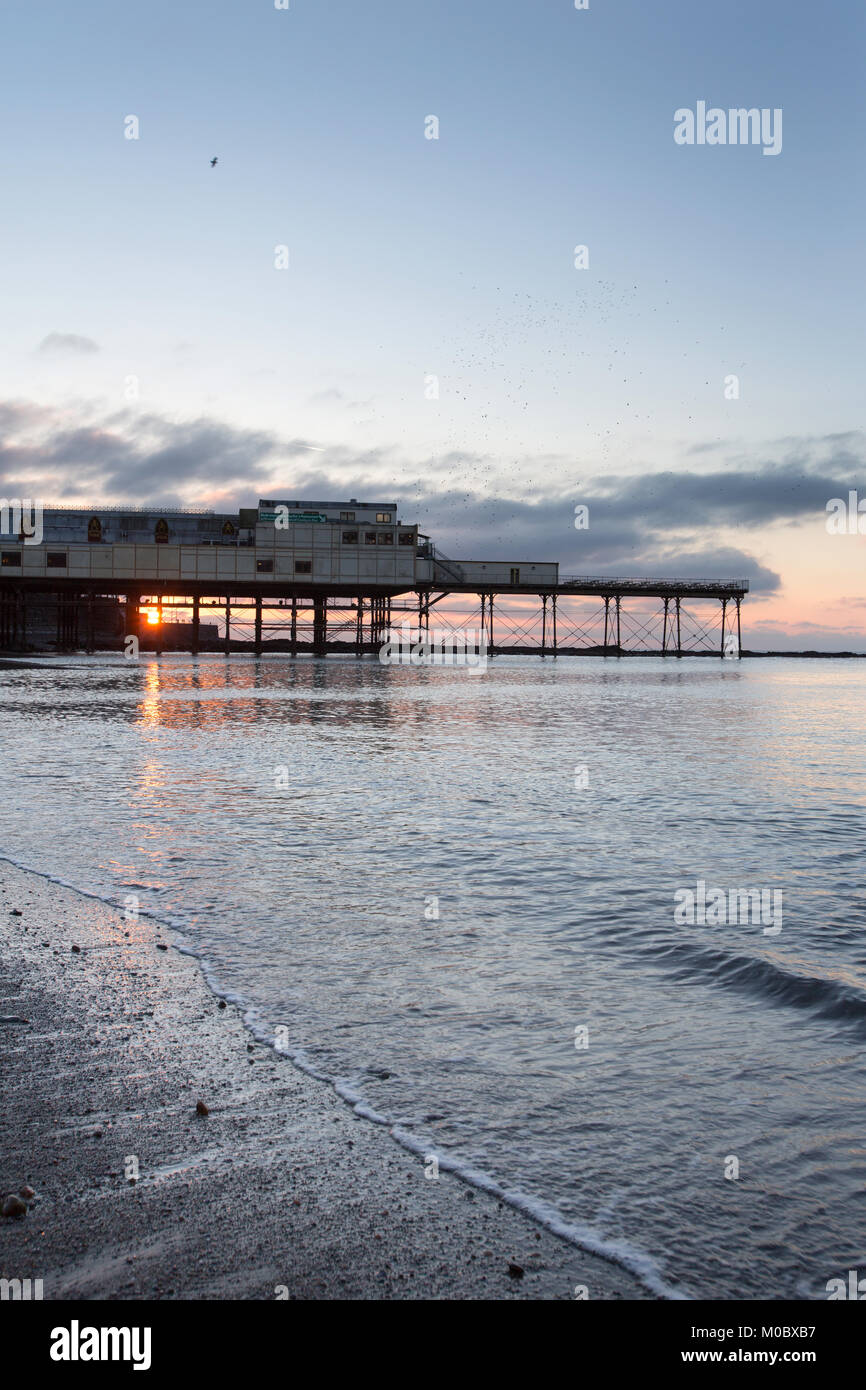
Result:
pixel 279 1191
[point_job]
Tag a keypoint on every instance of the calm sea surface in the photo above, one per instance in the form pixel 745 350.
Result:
pixel 402 875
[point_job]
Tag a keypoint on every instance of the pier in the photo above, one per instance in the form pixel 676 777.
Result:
pixel 318 577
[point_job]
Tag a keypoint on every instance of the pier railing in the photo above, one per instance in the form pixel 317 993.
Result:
pixel 625 584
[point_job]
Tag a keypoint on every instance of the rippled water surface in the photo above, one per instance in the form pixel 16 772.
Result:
pixel 402 875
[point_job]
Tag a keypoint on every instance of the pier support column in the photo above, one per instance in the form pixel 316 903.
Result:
pixel 665 629
pixel 320 626
pixel 423 610
pixel 227 639
pixel 543 624
pixel 724 621
pixel 5 618
pixel 679 639
pixel 486 632
pixel 606 621
pixel 618 602
pixel 258 632
pixel 195 624
pixel 90 638
pixel 739 632
pixel 553 605
pixel 359 628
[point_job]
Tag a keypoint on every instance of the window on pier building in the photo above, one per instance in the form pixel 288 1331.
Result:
pixel 384 516
pixel 515 577
pixel 10 557
pixel 385 538
pixel 56 559
pixel 407 538
pixel 347 516
pixel 265 566
pixel 350 538
pixel 303 567
pixel 369 537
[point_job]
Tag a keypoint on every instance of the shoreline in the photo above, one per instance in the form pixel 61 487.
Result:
pixel 282 648
pixel 279 1187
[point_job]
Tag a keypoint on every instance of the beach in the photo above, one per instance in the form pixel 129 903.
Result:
pixel 279 1191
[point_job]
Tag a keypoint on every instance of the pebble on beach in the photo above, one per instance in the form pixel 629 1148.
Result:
pixel 26 1192
pixel 201 1108
pixel 13 1206
pixel 516 1271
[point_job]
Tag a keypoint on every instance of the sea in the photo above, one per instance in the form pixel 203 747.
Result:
pixel 587 931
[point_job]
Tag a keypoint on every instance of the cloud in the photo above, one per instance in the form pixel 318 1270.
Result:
pixel 68 343
pixel 680 521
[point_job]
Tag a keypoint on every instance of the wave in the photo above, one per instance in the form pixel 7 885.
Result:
pixel 769 981
pixel 619 1251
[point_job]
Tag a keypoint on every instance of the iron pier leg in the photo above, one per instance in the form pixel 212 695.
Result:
pixel 553 606
pixel 618 634
pixel 739 631
pixel 606 621
pixel 258 632
pixel 665 632
pixel 195 624
pixel 724 620
pixel 320 625
pixel 543 624
pixel 227 642
pixel 679 642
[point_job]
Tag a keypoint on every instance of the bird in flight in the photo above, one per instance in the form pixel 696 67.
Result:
pixel 213 161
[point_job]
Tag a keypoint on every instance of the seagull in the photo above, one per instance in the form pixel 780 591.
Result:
pixel 213 161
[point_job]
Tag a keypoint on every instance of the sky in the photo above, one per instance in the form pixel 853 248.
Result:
pixel 431 339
